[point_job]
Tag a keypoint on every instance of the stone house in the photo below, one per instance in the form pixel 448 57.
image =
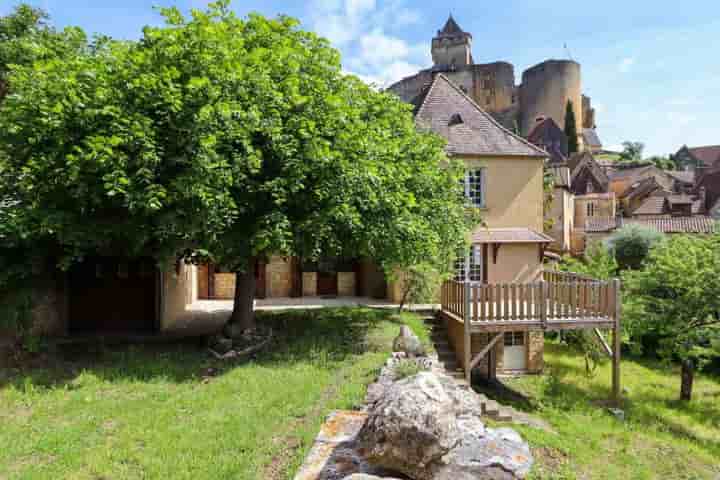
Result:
pixel 504 179
pixel 703 157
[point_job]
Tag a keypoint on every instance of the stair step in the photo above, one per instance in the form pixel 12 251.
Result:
pixel 503 416
pixel 491 408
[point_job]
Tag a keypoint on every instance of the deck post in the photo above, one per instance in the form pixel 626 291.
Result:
pixel 616 392
pixel 543 304
pixel 466 325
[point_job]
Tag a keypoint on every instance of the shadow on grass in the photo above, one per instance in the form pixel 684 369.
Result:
pixel 326 336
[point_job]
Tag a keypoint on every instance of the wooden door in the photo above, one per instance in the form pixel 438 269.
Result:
pixel 327 284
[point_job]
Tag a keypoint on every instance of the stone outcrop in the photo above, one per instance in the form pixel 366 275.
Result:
pixel 408 343
pixel 428 428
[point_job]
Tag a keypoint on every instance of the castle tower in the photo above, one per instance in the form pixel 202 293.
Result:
pixel 452 47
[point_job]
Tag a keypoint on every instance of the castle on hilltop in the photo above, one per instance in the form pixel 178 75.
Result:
pixel 543 93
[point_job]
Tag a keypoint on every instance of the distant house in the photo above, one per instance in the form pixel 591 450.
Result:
pixel 688 158
pixel 591 140
pixel 547 135
pixel 707 187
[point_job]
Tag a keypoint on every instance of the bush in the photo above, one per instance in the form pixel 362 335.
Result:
pixel 598 263
pixel 631 245
pixel 421 284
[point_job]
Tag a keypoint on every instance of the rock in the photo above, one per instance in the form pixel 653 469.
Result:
pixel 364 476
pixel 428 427
pixel 408 343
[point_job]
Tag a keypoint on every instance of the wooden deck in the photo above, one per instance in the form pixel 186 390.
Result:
pixel 559 301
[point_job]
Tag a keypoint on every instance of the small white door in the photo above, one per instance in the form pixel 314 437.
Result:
pixel 514 356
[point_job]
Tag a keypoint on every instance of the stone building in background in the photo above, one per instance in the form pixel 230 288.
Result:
pixel 544 92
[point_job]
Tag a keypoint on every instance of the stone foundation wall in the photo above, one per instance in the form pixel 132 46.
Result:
pixel 309 284
pixel 279 277
pixel 346 284
pixel 224 285
pixel 536 349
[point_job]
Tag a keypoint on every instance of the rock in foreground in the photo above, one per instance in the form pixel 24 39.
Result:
pixel 429 428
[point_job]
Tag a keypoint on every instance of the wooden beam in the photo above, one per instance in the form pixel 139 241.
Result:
pixel 606 347
pixel 616 387
pixel 495 249
pixel 485 350
pixel 467 347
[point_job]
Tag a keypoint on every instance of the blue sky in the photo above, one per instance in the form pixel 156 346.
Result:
pixel 651 67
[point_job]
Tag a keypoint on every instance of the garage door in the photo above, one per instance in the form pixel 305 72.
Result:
pixel 514 357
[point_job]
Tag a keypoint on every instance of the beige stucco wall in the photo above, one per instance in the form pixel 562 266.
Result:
pixel 514 191
pixel 178 293
pixel 604 207
pixel 562 213
pixel 516 262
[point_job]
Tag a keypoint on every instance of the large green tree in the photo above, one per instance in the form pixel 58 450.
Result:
pixel 677 297
pixel 571 130
pixel 632 152
pixel 225 137
pixel 26 37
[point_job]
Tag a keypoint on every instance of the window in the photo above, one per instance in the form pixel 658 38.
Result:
pixel 514 339
pixel 475 187
pixel 591 209
pixel 469 269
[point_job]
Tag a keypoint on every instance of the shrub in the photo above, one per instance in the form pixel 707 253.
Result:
pixel 406 368
pixel 631 245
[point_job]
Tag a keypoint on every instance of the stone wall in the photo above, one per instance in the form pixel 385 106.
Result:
pixel 603 207
pixel 279 277
pixel 346 284
pixel 224 285
pixel 536 349
pixel 309 284
pixel 546 89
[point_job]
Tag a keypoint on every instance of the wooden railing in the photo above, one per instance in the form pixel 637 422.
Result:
pixel 556 276
pixel 560 296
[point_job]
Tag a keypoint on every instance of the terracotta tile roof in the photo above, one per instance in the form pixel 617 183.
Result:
pixel 468 129
pixel 694 224
pixel 601 224
pixel 654 205
pixel 697 224
pixel 509 235
pixel 591 137
pixel 709 155
pixel 682 176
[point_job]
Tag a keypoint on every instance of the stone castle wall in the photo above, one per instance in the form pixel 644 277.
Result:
pixel 545 91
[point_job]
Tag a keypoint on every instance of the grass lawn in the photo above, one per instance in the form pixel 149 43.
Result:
pixel 171 412
pixel 661 437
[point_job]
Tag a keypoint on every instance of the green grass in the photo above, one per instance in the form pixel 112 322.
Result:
pixel 661 437
pixel 155 413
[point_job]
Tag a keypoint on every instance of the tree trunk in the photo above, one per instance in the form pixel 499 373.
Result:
pixel 688 375
pixel 243 315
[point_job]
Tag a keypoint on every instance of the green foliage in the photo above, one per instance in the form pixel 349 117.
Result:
pixel 631 245
pixel 15 311
pixel 597 263
pixel 677 297
pixel 406 368
pixel 421 283
pixel 632 152
pixel 241 137
pixel 571 130
pixel 663 163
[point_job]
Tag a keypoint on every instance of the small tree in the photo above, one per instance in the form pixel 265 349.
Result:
pixel 571 130
pixel 632 152
pixel 631 244
pixel 677 296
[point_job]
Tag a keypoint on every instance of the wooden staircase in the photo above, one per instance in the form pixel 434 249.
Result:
pixel 450 367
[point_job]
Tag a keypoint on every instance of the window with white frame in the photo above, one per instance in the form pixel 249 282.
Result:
pixel 475 182
pixel 469 268
pixel 514 339
pixel 590 209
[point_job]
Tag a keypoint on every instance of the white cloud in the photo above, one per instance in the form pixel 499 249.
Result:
pixel 626 64
pixel 361 30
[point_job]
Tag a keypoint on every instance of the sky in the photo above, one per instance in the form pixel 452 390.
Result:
pixel 652 68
